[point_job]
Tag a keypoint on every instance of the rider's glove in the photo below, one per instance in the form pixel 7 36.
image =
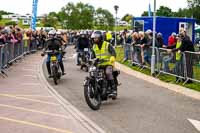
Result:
pixel 112 59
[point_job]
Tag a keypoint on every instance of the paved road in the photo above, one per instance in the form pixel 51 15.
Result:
pixel 141 107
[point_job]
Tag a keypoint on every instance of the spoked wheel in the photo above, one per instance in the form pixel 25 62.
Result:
pixel 92 98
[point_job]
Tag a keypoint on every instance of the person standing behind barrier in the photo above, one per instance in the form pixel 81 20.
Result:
pixel 135 51
pixel 187 45
pixel 145 47
pixel 2 44
pixel 160 40
pixel 143 42
pixel 127 46
pixel 126 41
pixel 179 66
pixel 167 58
pixel 42 37
pixel 25 39
pixel 172 39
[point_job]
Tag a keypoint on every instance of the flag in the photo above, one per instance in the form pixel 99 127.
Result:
pixel 149 12
pixel 34 14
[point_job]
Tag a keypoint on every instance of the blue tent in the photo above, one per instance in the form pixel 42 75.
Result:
pixel 166 25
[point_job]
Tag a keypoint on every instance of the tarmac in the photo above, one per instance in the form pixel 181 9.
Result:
pixel 28 106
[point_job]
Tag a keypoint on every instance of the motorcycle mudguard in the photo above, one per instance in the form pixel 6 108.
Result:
pixel 86 81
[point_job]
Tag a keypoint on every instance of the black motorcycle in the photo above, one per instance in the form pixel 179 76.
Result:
pixel 55 67
pixel 96 86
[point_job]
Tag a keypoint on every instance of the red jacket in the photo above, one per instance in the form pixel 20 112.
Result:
pixel 171 41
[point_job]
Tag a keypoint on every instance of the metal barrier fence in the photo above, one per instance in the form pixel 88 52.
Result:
pixel 184 66
pixel 11 52
pixel 192 63
pixel 172 63
pixel 140 56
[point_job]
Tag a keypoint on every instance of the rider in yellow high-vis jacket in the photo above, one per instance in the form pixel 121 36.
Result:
pixel 104 51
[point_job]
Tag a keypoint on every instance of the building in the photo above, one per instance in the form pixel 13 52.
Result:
pixel 166 25
pixel 16 16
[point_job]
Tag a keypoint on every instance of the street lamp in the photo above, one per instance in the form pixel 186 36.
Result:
pixel 154 35
pixel 116 9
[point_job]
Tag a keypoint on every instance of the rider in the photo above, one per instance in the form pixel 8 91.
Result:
pixel 105 52
pixel 82 43
pixel 53 43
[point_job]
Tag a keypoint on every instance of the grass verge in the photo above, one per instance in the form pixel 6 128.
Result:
pixel 162 77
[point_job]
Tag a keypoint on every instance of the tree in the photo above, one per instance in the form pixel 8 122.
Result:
pixel 127 18
pixel 79 16
pixel 194 8
pixel 4 13
pixel 50 21
pixel 183 13
pixel 145 13
pixel 193 3
pixel 104 20
pixel 164 11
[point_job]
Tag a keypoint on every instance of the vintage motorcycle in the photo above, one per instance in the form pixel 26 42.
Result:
pixel 96 86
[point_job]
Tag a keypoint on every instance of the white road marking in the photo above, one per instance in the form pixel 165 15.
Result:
pixel 32 76
pixel 32 70
pixel 195 123
pixel 31 84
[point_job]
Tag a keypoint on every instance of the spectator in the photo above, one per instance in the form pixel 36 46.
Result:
pixel 187 45
pixel 179 66
pixel 135 51
pixel 143 44
pixel 172 39
pixel 146 47
pixel 160 41
pixel 2 38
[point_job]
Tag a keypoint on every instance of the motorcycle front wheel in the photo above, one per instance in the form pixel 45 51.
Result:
pixel 93 100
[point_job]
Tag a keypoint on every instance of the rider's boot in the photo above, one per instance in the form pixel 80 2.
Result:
pixel 49 69
pixel 113 87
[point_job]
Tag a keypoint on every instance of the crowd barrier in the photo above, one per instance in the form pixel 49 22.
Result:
pixel 192 63
pixel 184 66
pixel 11 52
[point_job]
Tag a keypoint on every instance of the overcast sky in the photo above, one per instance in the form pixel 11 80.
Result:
pixel 134 7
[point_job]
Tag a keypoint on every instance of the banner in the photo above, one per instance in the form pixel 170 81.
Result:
pixel 34 14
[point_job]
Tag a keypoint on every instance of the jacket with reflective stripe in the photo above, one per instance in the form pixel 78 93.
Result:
pixel 178 55
pixel 103 53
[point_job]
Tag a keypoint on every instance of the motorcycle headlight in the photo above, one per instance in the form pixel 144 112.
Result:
pixel 92 69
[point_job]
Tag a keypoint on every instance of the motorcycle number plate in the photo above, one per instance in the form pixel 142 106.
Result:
pixel 86 49
pixel 53 58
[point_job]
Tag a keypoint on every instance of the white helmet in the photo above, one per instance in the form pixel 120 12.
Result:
pixel 83 33
pixel 52 32
pixel 58 33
